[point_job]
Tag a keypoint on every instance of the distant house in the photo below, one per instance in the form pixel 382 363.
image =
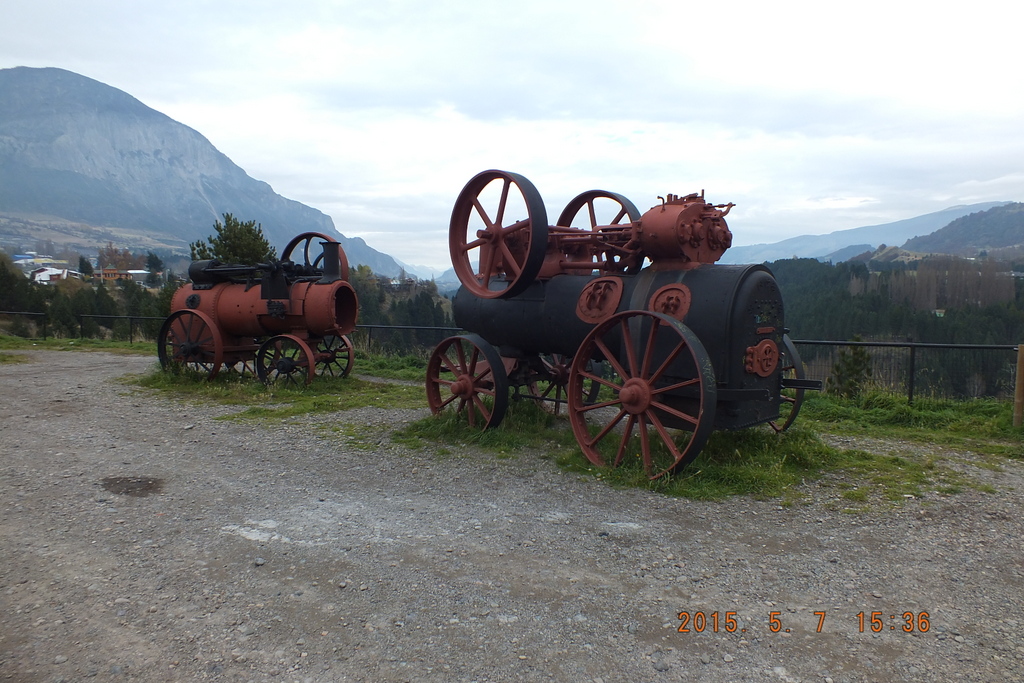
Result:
pixel 47 275
pixel 113 275
pixel 31 262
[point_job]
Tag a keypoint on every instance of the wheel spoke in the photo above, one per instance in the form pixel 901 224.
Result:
pixel 474 244
pixel 673 387
pixel 502 202
pixel 487 270
pixel 448 400
pixel 649 351
pixel 627 341
pixel 481 407
pixel 607 428
pixel 668 361
pixel 483 213
pixel 515 227
pixel 595 406
pixel 462 358
pixel 672 411
pixel 627 433
pixel 665 436
pixel 611 359
pixel 448 364
pixel 510 260
pixel 600 380
pixel 645 444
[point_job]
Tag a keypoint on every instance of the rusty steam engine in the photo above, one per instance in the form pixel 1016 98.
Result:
pixel 621 319
pixel 285 320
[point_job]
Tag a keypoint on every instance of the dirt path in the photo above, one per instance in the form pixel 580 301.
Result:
pixel 272 553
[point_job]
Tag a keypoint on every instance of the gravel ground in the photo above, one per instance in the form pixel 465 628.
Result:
pixel 275 553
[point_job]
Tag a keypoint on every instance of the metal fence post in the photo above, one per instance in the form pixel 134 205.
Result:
pixel 910 378
pixel 1018 393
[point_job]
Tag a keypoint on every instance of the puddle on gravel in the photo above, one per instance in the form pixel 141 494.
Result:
pixel 137 487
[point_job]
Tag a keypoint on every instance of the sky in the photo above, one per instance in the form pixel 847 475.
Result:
pixel 810 116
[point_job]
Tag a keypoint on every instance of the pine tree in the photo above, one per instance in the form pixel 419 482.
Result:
pixel 235 242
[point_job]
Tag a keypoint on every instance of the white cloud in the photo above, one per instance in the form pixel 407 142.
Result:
pixel 811 116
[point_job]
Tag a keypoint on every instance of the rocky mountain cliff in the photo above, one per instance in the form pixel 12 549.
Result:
pixel 82 163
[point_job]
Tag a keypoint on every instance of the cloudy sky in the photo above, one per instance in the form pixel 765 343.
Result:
pixel 810 116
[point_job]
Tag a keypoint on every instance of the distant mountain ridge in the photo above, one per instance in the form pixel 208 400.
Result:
pixel 86 162
pixel 865 238
pixel 999 228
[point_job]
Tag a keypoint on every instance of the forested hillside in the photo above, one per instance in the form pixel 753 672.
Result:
pixel 943 301
pixel 999 228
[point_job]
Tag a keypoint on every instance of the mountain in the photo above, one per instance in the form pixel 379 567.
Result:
pixel 998 228
pixel 83 163
pixel 865 238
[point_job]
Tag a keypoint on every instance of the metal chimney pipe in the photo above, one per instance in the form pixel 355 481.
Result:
pixel 332 263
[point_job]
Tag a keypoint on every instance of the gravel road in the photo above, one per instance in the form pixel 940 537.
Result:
pixel 143 539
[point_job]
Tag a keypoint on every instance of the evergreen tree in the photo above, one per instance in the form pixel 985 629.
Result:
pixel 154 265
pixel 85 266
pixel 235 242
pixel 61 317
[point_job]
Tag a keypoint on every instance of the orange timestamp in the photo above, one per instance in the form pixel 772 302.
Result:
pixel 876 622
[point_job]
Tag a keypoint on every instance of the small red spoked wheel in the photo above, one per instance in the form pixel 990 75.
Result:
pixel 602 208
pixel 789 399
pixel 307 247
pixel 595 209
pixel 334 355
pixel 466 374
pixel 498 234
pixel 190 340
pixel 286 360
pixel 550 389
pixel 661 378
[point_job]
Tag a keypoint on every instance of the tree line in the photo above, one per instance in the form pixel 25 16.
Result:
pixel 75 307
pixel 945 300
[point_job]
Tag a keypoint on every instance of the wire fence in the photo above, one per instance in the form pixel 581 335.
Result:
pixel 959 371
pixel 913 369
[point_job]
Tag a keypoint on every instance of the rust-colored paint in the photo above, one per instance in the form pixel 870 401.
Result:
pixel 672 300
pixel 763 358
pixel 599 300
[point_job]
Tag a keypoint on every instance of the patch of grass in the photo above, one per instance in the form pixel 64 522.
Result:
pixel 324 394
pixel 525 426
pixel 410 368
pixel 12 358
pixel 984 426
pixel 138 348
pixel 755 462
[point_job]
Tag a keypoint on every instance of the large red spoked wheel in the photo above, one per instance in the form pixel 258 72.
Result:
pixel 334 356
pixel 190 340
pixel 789 399
pixel 599 208
pixel 307 247
pixel 286 360
pixel 661 378
pixel 465 374
pixel 498 234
